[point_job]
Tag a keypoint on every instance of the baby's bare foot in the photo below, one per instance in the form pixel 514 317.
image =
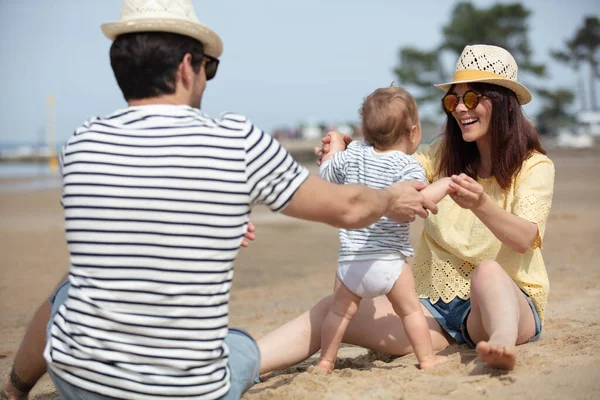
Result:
pixel 326 365
pixel 432 361
pixel 497 356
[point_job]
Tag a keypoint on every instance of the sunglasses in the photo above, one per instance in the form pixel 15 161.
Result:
pixel 451 100
pixel 210 67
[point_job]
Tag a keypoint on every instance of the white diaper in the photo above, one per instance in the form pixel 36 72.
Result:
pixel 370 278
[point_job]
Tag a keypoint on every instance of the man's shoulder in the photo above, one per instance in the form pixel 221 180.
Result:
pixel 164 117
pixel 231 120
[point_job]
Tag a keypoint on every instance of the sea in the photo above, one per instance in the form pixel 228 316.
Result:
pixel 39 176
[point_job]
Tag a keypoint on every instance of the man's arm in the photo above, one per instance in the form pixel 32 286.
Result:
pixel 342 206
pixel 356 206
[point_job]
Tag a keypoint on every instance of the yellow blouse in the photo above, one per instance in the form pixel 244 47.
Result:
pixel 455 241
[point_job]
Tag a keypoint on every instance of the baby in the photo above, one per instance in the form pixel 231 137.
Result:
pixel 371 261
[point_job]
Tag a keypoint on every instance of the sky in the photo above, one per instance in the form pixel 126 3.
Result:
pixel 284 61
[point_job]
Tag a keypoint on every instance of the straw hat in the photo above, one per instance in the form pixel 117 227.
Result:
pixel 173 16
pixel 488 64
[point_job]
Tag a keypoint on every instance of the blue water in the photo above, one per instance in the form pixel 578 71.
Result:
pixel 43 177
pixel 20 170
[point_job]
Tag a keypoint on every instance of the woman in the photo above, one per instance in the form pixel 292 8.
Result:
pixel 478 267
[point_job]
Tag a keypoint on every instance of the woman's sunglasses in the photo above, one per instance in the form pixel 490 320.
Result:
pixel 210 67
pixel 451 100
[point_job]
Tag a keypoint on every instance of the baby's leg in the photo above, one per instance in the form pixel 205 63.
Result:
pixel 343 307
pixel 406 303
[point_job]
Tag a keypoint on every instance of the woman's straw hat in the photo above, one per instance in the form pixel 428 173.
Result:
pixel 173 16
pixel 488 64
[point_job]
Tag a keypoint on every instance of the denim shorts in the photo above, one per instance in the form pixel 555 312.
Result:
pixel 244 359
pixel 452 317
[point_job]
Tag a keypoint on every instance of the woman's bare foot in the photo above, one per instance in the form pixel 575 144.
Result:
pixel 432 361
pixel 503 357
pixel 325 365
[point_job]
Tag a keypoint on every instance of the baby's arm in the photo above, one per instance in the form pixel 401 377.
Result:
pixel 332 168
pixel 437 190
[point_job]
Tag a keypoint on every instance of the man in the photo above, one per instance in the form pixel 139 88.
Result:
pixel 157 199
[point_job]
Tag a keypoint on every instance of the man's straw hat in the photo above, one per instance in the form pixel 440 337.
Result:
pixel 173 16
pixel 488 64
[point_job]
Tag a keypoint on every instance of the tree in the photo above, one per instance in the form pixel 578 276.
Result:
pixel 584 48
pixel 554 112
pixel 421 69
pixel 503 25
pixel 569 56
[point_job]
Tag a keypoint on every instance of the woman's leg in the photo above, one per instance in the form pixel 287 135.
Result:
pixel 375 326
pixel 343 307
pixel 500 315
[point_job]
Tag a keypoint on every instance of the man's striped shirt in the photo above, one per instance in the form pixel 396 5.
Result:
pixel 157 200
pixel 359 163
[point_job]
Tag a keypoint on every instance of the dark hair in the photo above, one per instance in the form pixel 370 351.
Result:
pixel 145 63
pixel 388 114
pixel 512 139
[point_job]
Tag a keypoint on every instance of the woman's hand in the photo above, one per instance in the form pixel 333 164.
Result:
pixel 249 235
pixel 466 192
pixel 326 146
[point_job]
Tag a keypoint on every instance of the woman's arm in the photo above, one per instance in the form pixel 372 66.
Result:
pixel 512 230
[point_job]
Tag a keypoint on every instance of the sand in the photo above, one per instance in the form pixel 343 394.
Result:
pixel 292 265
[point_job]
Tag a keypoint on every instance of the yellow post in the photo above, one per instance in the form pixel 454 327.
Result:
pixel 52 160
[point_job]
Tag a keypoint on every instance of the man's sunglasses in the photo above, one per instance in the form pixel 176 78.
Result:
pixel 210 67
pixel 451 100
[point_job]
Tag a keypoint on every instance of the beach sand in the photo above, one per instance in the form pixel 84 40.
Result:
pixel 292 265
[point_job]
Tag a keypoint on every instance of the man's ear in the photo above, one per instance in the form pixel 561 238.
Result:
pixel 185 70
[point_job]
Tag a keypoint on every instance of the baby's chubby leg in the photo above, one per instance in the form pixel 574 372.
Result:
pixel 343 307
pixel 405 301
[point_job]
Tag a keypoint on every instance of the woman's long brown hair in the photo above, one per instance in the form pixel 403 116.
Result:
pixel 512 139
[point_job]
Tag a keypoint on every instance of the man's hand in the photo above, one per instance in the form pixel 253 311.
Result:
pixel 408 202
pixel 249 235
pixel 326 146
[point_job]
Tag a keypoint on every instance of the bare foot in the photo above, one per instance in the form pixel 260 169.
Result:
pixel 325 365
pixel 503 357
pixel 432 361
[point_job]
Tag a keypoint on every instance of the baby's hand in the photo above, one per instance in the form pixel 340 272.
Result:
pixel 325 149
pixel 337 142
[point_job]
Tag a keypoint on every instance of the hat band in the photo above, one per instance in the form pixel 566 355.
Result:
pixel 471 74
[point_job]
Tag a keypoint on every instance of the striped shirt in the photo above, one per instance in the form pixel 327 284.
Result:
pixel 361 164
pixel 157 200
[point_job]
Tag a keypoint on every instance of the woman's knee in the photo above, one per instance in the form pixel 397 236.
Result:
pixel 486 270
pixel 489 271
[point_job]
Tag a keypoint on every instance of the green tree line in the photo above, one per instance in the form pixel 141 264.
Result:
pixel 506 25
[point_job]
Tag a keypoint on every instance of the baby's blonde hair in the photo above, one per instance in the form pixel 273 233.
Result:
pixel 388 114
